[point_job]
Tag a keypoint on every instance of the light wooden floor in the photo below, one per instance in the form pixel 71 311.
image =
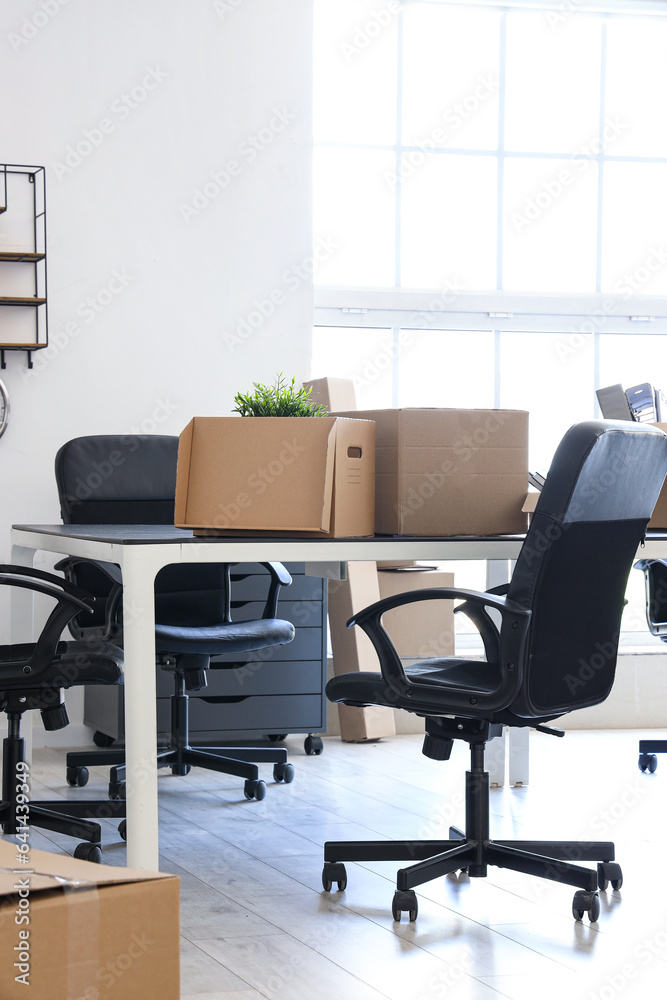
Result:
pixel 256 923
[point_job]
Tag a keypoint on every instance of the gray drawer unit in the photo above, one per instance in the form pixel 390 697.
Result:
pixel 272 692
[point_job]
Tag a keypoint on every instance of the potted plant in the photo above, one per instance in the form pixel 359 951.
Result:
pixel 282 399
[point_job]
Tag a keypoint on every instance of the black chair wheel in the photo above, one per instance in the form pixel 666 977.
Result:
pixel 404 901
pixel 77 777
pixel 254 789
pixel 122 829
pixel 117 790
pixel 609 871
pixel 102 740
pixel 88 852
pixel 313 745
pixel 334 871
pixel 181 769
pixel 586 902
pixel 648 762
pixel 283 772
pixel 275 738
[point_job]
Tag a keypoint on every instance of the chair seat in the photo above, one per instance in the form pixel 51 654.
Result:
pixel 448 673
pixel 227 637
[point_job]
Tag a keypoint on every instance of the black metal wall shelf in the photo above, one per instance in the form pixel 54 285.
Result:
pixel 12 177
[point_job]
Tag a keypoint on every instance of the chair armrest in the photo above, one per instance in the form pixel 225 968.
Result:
pixel 71 601
pixel 112 627
pixel 475 604
pixel 279 578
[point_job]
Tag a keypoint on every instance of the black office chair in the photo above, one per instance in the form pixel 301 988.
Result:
pixel 32 677
pixel 655 581
pixel 554 651
pixel 114 479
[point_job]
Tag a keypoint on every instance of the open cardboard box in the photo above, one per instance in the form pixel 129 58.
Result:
pixel 311 476
pixel 74 930
pixel 450 471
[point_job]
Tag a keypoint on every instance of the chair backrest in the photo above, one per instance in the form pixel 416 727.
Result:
pixel 126 479
pixel 655 582
pixel 573 567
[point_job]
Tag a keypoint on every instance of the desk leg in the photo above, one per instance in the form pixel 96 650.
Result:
pixel 140 707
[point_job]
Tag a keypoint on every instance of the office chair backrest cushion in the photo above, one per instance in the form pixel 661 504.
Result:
pixel 127 479
pixel 573 567
pixel 117 479
pixel 655 578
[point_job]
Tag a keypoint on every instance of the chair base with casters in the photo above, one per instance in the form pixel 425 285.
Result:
pixel 472 851
pixel 647 754
pixel 181 757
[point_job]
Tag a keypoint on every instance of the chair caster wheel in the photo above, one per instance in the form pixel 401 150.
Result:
pixel 77 777
pixel 88 852
pixel 283 772
pixel 313 745
pixel 609 871
pixel 181 769
pixel 122 829
pixel 254 789
pixel 277 737
pixel 116 790
pixel 334 871
pixel 102 740
pixel 586 902
pixel 648 762
pixel 404 900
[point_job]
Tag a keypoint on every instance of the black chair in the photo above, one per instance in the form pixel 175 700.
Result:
pixel 114 479
pixel 655 581
pixel 554 651
pixel 32 677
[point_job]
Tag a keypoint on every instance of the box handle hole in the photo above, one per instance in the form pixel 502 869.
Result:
pixel 353 452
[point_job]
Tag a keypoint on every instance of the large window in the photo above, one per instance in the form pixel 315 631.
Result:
pixel 489 180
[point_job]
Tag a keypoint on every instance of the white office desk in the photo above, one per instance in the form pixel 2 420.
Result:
pixel 142 551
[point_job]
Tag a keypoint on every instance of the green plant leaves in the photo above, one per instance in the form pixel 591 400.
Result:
pixel 282 399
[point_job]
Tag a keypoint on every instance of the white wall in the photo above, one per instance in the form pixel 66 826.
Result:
pixel 135 107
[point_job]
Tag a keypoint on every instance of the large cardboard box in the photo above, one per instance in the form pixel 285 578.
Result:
pixel 352 650
pixel 450 471
pixel 74 930
pixel 313 476
pixel 336 393
pixel 422 629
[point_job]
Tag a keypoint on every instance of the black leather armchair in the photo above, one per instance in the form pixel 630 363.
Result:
pixel 115 479
pixel 554 651
pixel 32 678
pixel 655 582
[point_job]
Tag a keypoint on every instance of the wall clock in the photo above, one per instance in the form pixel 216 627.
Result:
pixel 4 409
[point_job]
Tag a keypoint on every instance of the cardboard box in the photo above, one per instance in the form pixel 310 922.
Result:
pixel 312 476
pixel 450 471
pixel 423 629
pixel 78 931
pixel 336 393
pixel 353 650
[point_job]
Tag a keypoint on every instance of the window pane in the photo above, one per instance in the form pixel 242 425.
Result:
pixel 438 368
pixel 354 208
pixel 553 82
pixel 449 221
pixel 635 86
pixel 550 225
pixel 355 72
pixel 450 76
pixel 632 359
pixel 551 376
pixel 634 255
pixel 365 356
